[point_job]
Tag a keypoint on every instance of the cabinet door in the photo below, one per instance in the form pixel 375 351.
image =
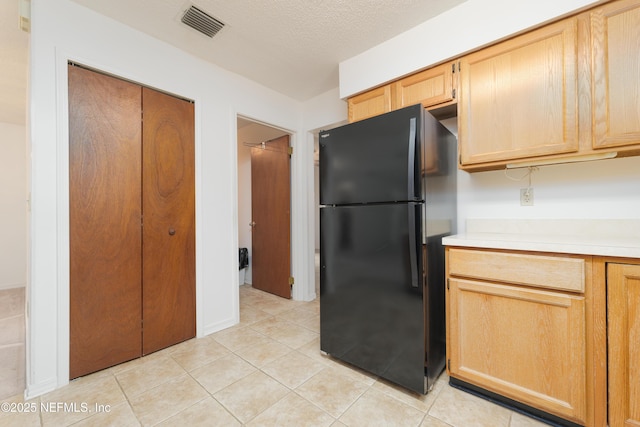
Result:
pixel 369 104
pixel 616 74
pixel 429 87
pixel 518 99
pixel 525 344
pixel 623 308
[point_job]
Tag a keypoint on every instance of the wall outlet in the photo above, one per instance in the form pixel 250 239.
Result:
pixel 526 196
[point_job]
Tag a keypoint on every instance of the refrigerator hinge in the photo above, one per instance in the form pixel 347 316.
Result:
pixel 290 150
pixel 291 281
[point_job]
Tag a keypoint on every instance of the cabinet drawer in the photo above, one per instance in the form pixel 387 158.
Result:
pixel 553 272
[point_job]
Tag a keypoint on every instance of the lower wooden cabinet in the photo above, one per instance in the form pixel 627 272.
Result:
pixel 523 325
pixel 623 312
pixel 525 344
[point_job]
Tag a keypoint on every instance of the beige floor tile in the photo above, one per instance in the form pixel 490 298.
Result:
pixel 20 419
pixel 433 422
pixel 81 397
pixel 295 336
pixel 12 302
pixel 263 351
pixel 222 372
pixel 167 400
pixel 313 323
pixel 377 409
pixel 421 402
pixel 12 330
pixel 251 395
pixel 119 415
pixel 332 392
pixel 350 371
pixel 149 375
pixel 270 325
pixel 205 413
pixel 292 411
pixel 297 315
pixel 293 369
pixel 519 420
pixel 460 409
pixel 12 370
pixel 198 352
pixel 237 338
pixel 288 333
pixel 278 305
pixel 250 315
pixel 312 350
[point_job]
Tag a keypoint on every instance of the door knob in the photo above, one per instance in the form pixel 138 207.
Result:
pixel 252 224
pixel 172 231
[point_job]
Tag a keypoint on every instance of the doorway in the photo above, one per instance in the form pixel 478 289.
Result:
pixel 250 134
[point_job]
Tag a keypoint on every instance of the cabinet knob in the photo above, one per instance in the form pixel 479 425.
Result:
pixel 172 231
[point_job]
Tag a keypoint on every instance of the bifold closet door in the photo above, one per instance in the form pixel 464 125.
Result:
pixel 168 256
pixel 105 207
pixel 132 221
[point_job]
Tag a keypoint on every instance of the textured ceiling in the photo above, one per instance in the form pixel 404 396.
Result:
pixel 291 46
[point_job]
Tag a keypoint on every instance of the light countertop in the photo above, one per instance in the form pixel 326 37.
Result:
pixel 614 238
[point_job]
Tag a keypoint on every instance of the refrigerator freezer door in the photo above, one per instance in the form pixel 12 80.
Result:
pixel 374 160
pixel 371 312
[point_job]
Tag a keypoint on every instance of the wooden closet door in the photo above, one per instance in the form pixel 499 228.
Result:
pixel 104 221
pixel 168 255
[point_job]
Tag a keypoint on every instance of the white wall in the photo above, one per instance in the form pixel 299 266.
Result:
pixel 603 189
pixel 250 134
pixel 592 190
pixel 13 206
pixel 466 27
pixel 63 30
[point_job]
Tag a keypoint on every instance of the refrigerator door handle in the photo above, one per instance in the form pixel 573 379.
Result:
pixel 413 243
pixel 411 158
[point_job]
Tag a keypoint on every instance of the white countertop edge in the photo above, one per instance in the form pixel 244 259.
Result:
pixel 611 247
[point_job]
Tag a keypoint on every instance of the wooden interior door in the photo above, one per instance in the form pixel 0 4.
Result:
pixel 104 221
pixel 168 256
pixel 271 217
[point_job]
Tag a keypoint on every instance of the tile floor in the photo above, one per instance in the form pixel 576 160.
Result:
pixel 265 371
pixel 12 341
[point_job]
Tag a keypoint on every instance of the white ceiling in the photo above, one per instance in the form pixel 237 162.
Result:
pixel 291 46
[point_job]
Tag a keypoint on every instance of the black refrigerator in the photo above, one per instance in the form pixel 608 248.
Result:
pixel 387 198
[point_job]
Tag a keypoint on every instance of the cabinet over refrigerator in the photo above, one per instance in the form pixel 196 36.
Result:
pixel 387 196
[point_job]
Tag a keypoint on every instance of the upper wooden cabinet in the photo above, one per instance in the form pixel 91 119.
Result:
pixel 433 88
pixel 368 104
pixel 519 98
pixel 615 34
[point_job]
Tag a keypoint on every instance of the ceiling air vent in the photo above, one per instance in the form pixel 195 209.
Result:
pixel 199 20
